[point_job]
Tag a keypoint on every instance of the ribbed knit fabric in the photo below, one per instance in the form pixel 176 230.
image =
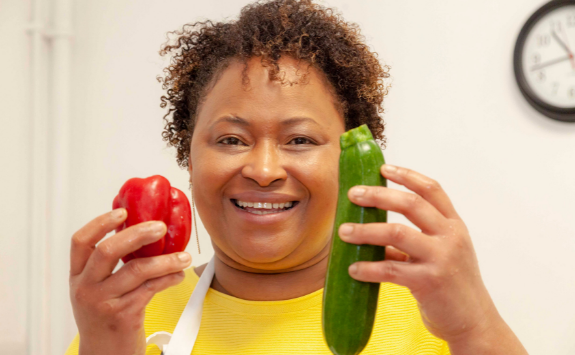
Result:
pixel 234 326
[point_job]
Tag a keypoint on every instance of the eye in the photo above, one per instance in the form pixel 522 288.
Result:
pixel 231 141
pixel 301 140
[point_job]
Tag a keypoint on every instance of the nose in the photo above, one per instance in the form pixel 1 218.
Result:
pixel 264 164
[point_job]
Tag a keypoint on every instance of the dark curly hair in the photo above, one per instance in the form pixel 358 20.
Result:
pixel 297 28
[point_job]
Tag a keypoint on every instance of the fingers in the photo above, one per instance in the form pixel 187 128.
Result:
pixel 408 240
pixel 137 271
pixel 412 206
pixel 107 254
pixel 84 240
pixel 426 187
pixel 142 295
pixel 400 273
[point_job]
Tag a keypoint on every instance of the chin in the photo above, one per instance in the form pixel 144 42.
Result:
pixel 264 252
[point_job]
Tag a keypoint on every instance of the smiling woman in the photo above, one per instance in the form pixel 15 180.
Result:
pixel 256 108
pixel 283 149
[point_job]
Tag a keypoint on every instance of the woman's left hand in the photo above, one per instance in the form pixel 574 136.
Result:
pixel 440 267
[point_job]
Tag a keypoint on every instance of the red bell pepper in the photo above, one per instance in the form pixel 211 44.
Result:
pixel 154 199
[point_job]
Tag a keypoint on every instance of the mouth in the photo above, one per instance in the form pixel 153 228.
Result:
pixel 262 208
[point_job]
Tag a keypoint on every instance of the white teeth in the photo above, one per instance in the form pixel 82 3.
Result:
pixel 264 205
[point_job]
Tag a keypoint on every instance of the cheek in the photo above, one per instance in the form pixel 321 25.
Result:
pixel 320 178
pixel 322 175
pixel 209 175
pixel 210 167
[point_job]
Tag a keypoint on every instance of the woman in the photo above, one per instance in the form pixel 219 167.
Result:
pixel 257 109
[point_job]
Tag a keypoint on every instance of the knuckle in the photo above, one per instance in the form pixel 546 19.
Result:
pixel 433 186
pixel 81 296
pixel 436 278
pixel 359 232
pixel 146 228
pixel 414 201
pixel 174 261
pixel 458 243
pixel 105 251
pixel 398 234
pixel 136 268
pixel 108 307
pixel 404 172
pixel 149 286
pixel 388 270
pixel 77 239
pixel 459 246
pixel 459 227
pixel 374 191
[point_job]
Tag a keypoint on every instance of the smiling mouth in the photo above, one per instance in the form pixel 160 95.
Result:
pixel 262 208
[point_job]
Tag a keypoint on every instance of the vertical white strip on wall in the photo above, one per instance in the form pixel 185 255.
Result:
pixel 48 301
pixel 60 35
pixel 38 297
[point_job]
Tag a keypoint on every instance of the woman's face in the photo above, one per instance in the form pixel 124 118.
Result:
pixel 265 145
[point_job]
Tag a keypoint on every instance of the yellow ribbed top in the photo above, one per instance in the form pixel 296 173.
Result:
pixel 234 326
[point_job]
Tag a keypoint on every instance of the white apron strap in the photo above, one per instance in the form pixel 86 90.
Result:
pixel 186 331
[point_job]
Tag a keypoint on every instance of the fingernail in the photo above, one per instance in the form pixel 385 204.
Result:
pixel 118 213
pixel 184 257
pixel 389 168
pixel 353 269
pixel 158 228
pixel 358 191
pixel 345 230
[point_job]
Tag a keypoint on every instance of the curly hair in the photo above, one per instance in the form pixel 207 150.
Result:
pixel 300 29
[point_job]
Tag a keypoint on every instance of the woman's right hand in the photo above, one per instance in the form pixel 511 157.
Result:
pixel 109 307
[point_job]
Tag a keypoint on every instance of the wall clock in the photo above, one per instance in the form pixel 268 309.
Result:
pixel 544 60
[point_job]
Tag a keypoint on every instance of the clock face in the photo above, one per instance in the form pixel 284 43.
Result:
pixel 548 57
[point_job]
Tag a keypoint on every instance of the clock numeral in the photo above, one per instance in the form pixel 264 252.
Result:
pixel 571 92
pixel 556 26
pixel 555 88
pixel 536 58
pixel 571 20
pixel 541 76
pixel 543 40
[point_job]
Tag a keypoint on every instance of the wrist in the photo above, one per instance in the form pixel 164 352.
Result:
pixel 492 337
pixel 118 344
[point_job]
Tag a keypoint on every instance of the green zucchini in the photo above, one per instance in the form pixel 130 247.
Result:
pixel 349 305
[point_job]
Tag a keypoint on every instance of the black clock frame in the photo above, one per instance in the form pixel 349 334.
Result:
pixel 554 112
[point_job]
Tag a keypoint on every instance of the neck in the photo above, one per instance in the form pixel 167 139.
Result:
pixel 304 280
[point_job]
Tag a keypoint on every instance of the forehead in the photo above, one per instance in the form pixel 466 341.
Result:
pixel 262 98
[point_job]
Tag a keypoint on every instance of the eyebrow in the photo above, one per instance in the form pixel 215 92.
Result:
pixel 243 122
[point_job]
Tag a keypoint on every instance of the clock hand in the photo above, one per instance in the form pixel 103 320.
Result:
pixel 567 42
pixel 551 62
pixel 562 44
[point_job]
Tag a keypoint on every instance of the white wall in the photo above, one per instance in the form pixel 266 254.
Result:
pixel 454 113
pixel 14 172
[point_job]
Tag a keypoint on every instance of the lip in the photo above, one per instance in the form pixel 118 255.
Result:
pixel 265 219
